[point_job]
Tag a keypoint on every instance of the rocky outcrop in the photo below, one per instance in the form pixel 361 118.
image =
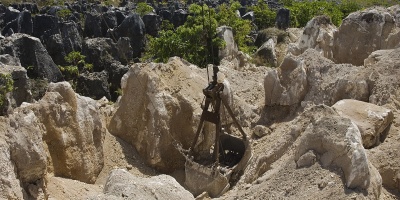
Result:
pixel 265 55
pixel 121 183
pixel 310 79
pixel 133 28
pixel 10 187
pixel 152 23
pixel 21 89
pixel 101 52
pixel 158 109
pixel 22 24
pixel 371 120
pixel 230 50
pixel 318 35
pixel 74 133
pixel 337 141
pixel 288 85
pixel 364 32
pixel 32 55
pixel 93 85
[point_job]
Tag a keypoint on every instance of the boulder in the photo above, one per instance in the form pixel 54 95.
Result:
pixel 158 109
pixel 6 59
pixel 100 52
pixel 125 53
pixel 373 28
pixel 74 133
pixel 21 89
pixel 318 35
pixel 133 28
pixel 93 25
pixel 108 21
pixel 311 79
pixel 282 20
pixel 287 85
pixel 22 24
pixel 93 85
pixel 230 50
pixel 10 187
pixel 338 142
pixel 45 24
pixel 33 56
pixel 152 23
pixel 10 14
pixel 121 183
pixel 265 55
pixel 116 71
pixel 26 146
pixel 179 17
pixel 371 120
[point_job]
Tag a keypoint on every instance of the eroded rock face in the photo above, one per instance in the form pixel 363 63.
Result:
pixel 338 142
pixel 10 187
pixel 311 79
pixel 121 183
pixel 74 133
pixel 317 34
pixel 287 85
pixel 157 109
pixel 230 50
pixel 33 55
pixel 371 120
pixel 363 32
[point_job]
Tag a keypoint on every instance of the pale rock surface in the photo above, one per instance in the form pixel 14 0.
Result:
pixel 317 34
pixel 230 50
pixel 311 79
pixel 123 185
pixel 364 32
pixel 371 120
pixel 266 53
pixel 160 106
pixel 10 186
pixel 74 133
pixel 338 141
pixel 26 144
pixel 286 85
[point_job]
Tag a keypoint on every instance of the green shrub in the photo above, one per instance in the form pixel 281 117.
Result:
pixel 6 86
pixel 64 13
pixel 264 16
pixel 195 41
pixel 241 28
pixel 143 9
pixel 76 65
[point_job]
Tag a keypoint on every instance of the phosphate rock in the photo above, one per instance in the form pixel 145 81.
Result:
pixel 160 106
pixel 94 85
pixel 286 85
pixel 101 52
pixel 74 133
pixel 121 183
pixel 230 50
pixel 93 25
pixel 338 142
pixel 22 24
pixel 21 89
pixel 266 54
pixel 10 187
pixel 318 35
pixel 133 28
pixel 371 120
pixel 152 23
pixel 33 56
pixel 26 146
pixel 45 24
pixel 373 28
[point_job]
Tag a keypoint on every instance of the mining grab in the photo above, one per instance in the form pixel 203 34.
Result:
pixel 228 156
